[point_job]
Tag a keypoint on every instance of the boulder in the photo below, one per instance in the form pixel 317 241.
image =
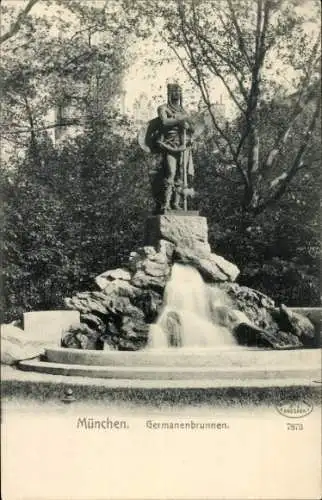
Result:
pixel 143 280
pixel 15 345
pixel 125 344
pixel 166 248
pixel 134 329
pixel 113 326
pixel 295 323
pixel 87 302
pixel 83 337
pixel 246 295
pixel 103 279
pixel 173 328
pixel 176 228
pixel 207 267
pixel 47 327
pixel 122 306
pixel 158 257
pixel 183 253
pixel 258 308
pixel 114 313
pixel 228 268
pixel 314 314
pixel 228 317
pixel 122 288
pixel 94 322
pixel 150 302
pixel 136 258
pixel 156 269
pixel 250 335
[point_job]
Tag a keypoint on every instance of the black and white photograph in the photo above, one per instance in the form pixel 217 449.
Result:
pixel 160 183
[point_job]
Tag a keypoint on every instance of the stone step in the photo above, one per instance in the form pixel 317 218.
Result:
pixel 234 374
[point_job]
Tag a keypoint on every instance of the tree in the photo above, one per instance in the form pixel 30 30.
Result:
pixel 60 199
pixel 247 45
pixel 64 228
pixel 73 57
pixel 16 24
pixel 279 251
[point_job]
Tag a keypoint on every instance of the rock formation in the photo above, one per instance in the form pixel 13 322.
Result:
pixel 129 299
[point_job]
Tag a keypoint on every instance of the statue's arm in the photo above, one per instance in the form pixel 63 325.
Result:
pixel 162 113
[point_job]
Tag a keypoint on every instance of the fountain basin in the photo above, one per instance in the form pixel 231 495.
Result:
pixel 213 365
pixel 196 357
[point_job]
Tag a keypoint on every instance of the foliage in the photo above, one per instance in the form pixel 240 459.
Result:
pixel 77 206
pixel 62 232
pixel 65 216
pixel 278 251
pixel 261 196
pixel 247 45
pixel 71 57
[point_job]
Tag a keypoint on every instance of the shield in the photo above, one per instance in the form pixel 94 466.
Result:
pixel 149 134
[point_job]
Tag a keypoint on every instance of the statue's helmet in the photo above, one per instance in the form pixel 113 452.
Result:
pixel 174 87
pixel 174 91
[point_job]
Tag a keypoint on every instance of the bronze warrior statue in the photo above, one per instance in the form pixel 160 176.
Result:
pixel 171 135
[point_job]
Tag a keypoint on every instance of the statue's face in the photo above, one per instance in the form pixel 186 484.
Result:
pixel 175 94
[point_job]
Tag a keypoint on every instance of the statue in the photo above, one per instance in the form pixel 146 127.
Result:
pixel 171 135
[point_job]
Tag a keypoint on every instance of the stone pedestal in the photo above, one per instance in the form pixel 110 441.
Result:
pixel 183 238
pixel 48 327
pixel 184 229
pixel 42 329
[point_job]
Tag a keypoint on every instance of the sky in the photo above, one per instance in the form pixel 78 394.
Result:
pixel 142 78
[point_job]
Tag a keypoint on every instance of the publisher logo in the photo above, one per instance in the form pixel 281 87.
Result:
pixel 294 409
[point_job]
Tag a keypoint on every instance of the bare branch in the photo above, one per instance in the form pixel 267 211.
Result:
pixel 181 60
pixel 298 108
pixel 241 41
pixel 285 180
pixel 229 63
pixel 251 127
pixel 262 46
pixel 215 70
pixel 14 28
pixel 213 66
pixel 205 94
pixel 258 27
pixel 282 138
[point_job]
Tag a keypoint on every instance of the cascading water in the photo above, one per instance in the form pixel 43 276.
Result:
pixel 188 318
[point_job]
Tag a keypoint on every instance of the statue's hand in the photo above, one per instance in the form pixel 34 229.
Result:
pixel 170 149
pixel 188 126
pixel 183 117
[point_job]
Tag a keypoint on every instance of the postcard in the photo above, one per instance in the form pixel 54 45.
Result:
pixel 160 184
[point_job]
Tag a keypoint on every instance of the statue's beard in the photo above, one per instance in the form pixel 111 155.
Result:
pixel 175 101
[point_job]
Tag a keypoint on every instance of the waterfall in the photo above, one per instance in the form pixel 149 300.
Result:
pixel 187 318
